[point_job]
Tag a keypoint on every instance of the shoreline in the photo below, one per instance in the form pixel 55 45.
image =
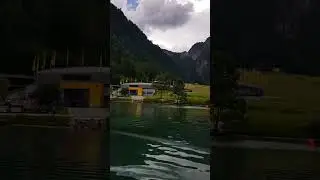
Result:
pixel 168 103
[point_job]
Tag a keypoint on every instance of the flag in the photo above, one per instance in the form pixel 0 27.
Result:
pixel 34 64
pixel 67 57
pixel 82 57
pixel 53 60
pixel 44 58
pixel 38 63
pixel 100 60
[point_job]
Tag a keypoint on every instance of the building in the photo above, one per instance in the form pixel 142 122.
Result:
pixel 250 90
pixel 16 81
pixel 80 86
pixel 139 89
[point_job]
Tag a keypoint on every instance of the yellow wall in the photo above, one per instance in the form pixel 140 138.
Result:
pixel 96 96
pixel 138 89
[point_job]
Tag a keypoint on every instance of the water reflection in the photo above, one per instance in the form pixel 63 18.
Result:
pixel 160 142
pixel 261 164
pixel 165 161
pixel 51 153
pixel 139 110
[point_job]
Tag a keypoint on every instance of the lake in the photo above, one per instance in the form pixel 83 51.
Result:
pixel 264 164
pixel 51 153
pixel 159 142
pixel 148 142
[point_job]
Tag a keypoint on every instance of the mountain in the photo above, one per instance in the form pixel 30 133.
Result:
pixel 194 64
pixel 200 52
pixel 132 54
pixel 186 65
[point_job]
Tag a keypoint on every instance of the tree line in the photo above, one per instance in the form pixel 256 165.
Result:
pixel 29 28
pixel 269 34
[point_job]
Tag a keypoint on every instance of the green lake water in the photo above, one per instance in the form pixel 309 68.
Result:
pixel 51 153
pixel 147 142
pixel 159 142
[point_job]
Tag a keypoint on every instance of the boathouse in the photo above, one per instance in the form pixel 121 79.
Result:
pixel 246 90
pixel 139 89
pixel 80 86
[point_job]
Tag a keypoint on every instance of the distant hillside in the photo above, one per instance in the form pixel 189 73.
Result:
pixel 131 51
pixel 195 63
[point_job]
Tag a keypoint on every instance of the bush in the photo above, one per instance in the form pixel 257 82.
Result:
pixel 47 94
pixel 4 84
pixel 124 91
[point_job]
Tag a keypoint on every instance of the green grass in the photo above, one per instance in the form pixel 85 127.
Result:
pixel 290 106
pixel 164 97
pixel 200 95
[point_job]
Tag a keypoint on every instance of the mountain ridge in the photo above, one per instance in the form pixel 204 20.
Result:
pixel 131 40
pixel 194 62
pixel 133 54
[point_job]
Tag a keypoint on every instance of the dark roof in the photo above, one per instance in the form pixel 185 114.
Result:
pixel 77 70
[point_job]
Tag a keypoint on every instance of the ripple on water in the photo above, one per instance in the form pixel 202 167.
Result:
pixel 165 161
pixel 168 141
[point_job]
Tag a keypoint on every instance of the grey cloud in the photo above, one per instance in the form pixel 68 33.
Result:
pixel 161 14
pixel 171 25
pixel 118 3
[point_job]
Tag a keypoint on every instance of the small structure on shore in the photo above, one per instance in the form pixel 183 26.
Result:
pixel 246 90
pixel 80 86
pixel 84 91
pixel 137 98
pixel 139 89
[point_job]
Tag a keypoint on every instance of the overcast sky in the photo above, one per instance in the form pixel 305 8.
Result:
pixel 172 24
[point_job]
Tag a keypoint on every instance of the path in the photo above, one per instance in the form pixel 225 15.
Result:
pixel 271 145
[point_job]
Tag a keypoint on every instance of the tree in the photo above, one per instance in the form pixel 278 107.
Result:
pixel 124 91
pixel 164 81
pixel 47 94
pixel 4 84
pixel 178 90
pixel 224 93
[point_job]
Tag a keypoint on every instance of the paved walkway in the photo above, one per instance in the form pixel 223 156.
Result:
pixel 271 145
pixel 137 98
pixel 34 114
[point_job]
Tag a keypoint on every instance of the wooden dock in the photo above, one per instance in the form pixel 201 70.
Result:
pixel 137 98
pixel 88 117
pixel 77 118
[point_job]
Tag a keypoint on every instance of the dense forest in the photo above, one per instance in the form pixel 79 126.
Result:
pixel 75 33
pixel 132 55
pixel 269 33
pixel 41 28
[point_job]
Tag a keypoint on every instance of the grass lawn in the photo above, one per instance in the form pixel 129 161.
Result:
pixel 200 95
pixel 291 104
